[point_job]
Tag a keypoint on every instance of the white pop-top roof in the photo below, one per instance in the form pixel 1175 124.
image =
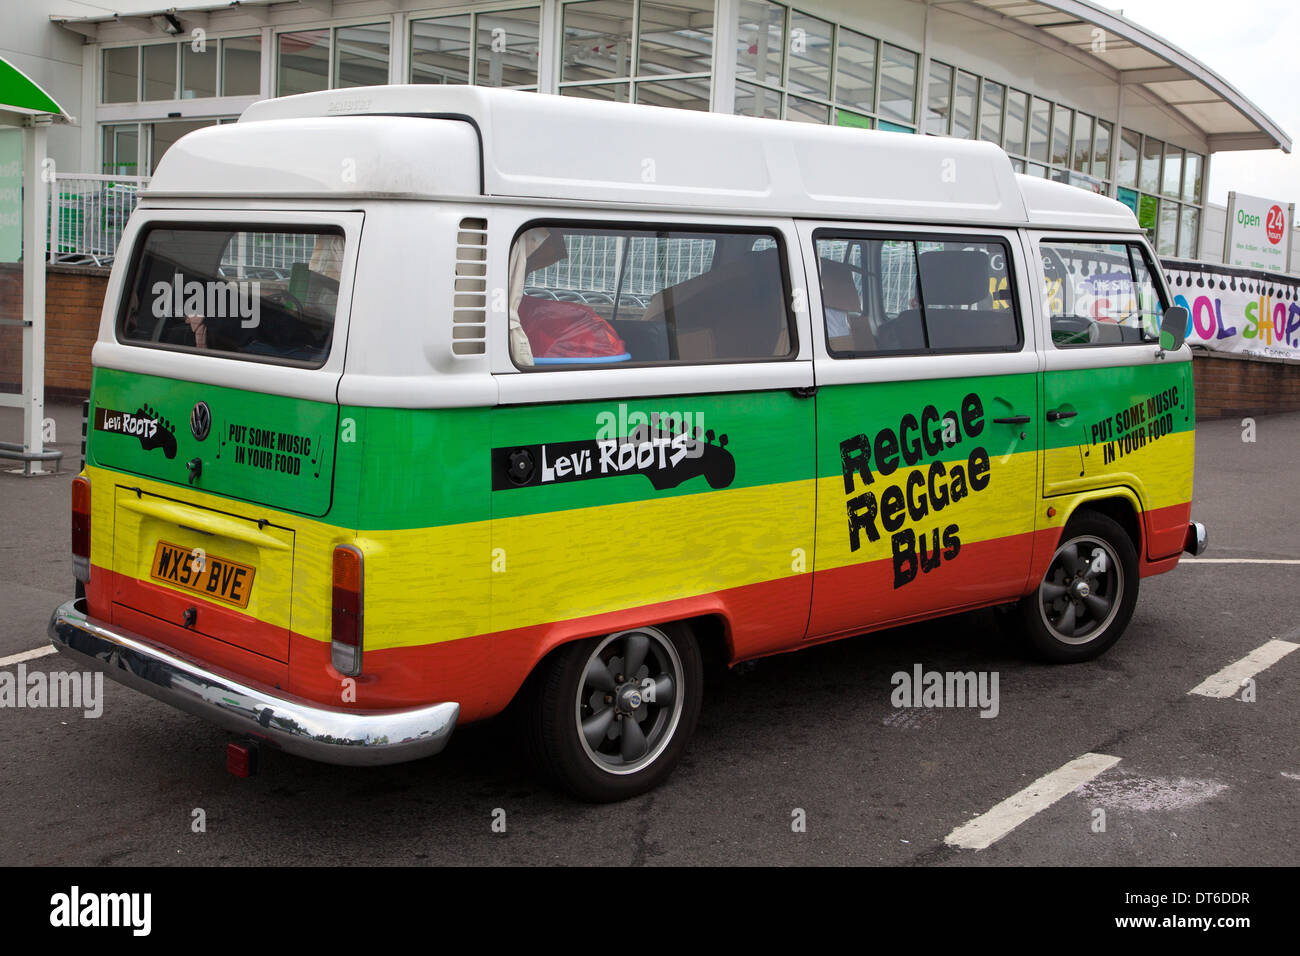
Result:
pixel 424 142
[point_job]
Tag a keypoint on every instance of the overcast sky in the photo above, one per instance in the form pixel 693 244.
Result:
pixel 1253 45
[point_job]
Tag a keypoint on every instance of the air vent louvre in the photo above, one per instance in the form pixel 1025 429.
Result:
pixel 469 299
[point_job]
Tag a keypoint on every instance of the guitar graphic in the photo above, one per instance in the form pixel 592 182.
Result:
pixel 145 424
pixel 705 458
pixel 161 436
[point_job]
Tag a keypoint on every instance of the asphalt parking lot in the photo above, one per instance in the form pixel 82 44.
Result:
pixel 799 759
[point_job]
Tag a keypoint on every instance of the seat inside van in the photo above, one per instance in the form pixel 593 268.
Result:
pixel 840 295
pixel 736 310
pixel 958 305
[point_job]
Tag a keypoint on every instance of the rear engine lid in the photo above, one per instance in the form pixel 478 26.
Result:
pixel 215 574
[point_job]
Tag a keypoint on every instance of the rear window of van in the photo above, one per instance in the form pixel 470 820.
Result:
pixel 255 294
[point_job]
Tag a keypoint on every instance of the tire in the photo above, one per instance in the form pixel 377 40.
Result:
pixel 1086 598
pixel 585 685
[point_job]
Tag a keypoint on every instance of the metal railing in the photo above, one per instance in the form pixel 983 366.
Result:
pixel 593 264
pixel 88 212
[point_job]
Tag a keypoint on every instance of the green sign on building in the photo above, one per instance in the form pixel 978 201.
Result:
pixel 11 195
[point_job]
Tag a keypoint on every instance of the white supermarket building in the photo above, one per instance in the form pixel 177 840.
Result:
pixel 1073 91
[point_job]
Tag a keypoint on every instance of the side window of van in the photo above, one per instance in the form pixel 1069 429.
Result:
pixel 582 295
pixel 1100 293
pixel 260 295
pixel 895 295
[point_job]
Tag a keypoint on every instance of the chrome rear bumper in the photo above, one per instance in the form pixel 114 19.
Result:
pixel 1198 539
pixel 354 738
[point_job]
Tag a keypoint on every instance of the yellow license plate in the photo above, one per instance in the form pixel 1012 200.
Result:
pixel 203 573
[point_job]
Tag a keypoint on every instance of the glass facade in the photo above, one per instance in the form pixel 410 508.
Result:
pixel 638 51
pixel 792 65
pixel 787 63
pixel 1163 184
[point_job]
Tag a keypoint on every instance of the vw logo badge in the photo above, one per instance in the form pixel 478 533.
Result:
pixel 201 421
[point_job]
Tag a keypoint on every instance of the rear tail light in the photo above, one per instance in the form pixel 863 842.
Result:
pixel 81 528
pixel 346 637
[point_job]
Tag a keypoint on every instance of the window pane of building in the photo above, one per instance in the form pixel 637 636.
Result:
pixel 964 99
pixel 597 40
pixel 241 66
pixel 1149 174
pixel 1173 178
pixel 991 112
pixel 810 55
pixel 361 55
pixel 760 40
pixel 507 53
pixel 122 74
pixel 683 94
pixel 198 71
pixel 611 92
pixel 855 71
pixel 1017 113
pixel 1192 177
pixel 122 150
pixel 1082 143
pixel 1130 144
pixel 897 84
pixel 1061 120
pixel 1040 118
pixel 754 100
pixel 159 71
pixel 303 62
pixel 676 37
pixel 440 50
pixel 1101 151
pixel 1167 234
pixel 163 135
pixel 938 99
pixel 1188 231
pixel 806 111
pixel 1033 169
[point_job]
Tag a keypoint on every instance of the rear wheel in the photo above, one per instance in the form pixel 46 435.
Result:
pixel 1086 598
pixel 608 718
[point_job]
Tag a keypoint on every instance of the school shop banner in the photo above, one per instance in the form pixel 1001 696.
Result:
pixel 1237 310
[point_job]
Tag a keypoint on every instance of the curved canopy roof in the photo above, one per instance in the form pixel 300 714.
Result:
pixel 1132 55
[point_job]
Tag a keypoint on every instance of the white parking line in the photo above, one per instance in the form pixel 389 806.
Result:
pixel 1228 681
pixel 992 826
pixel 27 656
pixel 1240 561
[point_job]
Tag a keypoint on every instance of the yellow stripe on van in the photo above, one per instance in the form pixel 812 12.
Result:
pixel 437 584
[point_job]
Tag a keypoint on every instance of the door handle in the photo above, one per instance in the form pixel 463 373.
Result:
pixel 1013 420
pixel 1056 414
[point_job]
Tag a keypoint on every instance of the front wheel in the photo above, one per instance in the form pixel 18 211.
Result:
pixel 1087 596
pixel 608 718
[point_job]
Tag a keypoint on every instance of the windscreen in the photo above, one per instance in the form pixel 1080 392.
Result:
pixel 254 294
